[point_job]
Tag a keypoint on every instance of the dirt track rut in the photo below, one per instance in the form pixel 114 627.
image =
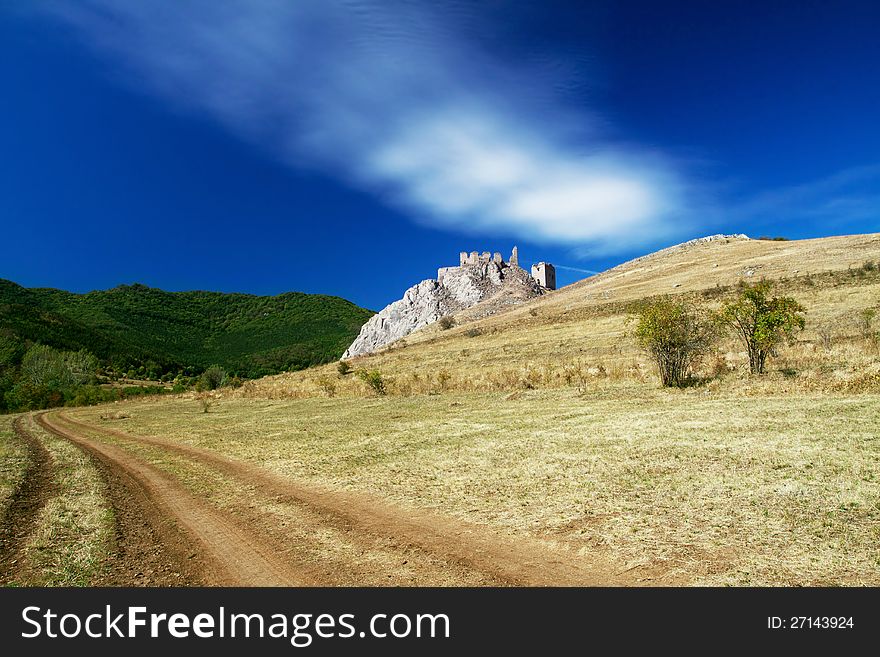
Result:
pixel 248 557
pixel 27 501
pixel 230 555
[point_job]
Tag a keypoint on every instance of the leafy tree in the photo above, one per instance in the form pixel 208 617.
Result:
pixel 676 334
pixel 762 322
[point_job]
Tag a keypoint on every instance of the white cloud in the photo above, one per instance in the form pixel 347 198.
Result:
pixel 395 98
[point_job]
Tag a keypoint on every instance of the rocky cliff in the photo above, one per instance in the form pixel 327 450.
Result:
pixel 456 289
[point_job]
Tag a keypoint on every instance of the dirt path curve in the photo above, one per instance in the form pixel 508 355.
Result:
pixel 35 489
pixel 232 556
pixel 506 560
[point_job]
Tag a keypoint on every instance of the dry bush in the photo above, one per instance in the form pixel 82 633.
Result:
pixel 205 401
pixel 327 385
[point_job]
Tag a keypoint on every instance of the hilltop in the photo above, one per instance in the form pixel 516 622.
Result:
pixel 584 325
pixel 138 327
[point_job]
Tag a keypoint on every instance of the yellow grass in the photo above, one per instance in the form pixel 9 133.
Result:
pixel 13 461
pixel 719 488
pixel 74 530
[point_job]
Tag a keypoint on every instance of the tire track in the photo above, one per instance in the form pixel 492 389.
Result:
pixel 503 560
pixel 33 492
pixel 231 556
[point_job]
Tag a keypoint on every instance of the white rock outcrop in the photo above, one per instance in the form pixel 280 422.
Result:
pixel 457 289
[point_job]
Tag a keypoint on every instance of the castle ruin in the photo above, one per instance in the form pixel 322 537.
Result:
pixel 545 274
pixel 481 284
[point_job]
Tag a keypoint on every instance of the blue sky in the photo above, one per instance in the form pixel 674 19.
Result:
pixel 351 148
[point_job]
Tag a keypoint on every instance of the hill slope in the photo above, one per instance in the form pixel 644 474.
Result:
pixel 584 325
pixel 134 325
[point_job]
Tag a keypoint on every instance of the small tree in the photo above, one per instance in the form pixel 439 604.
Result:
pixel 676 334
pixel 343 367
pixel 761 322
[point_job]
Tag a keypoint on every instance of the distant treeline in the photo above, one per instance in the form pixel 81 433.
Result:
pixel 136 332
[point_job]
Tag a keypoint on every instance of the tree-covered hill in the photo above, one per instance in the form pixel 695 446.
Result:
pixel 135 327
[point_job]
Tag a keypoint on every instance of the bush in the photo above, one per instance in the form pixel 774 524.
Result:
pixel 866 323
pixel 373 378
pixel 446 323
pixel 205 402
pixel 676 335
pixel 762 323
pixel 328 385
pixel 343 367
pixel 473 332
pixel 212 378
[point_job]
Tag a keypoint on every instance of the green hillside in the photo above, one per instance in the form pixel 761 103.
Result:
pixel 134 326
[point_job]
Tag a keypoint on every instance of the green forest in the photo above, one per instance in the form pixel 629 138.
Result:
pixel 74 343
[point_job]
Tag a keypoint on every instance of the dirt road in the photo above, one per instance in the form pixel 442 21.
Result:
pixel 339 538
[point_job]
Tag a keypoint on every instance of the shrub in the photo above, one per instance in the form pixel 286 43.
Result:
pixel 205 402
pixel 328 385
pixel 212 378
pixel 676 335
pixel 473 332
pixel 443 377
pixel 373 378
pixel 446 323
pixel 343 367
pixel 762 323
pixel 866 323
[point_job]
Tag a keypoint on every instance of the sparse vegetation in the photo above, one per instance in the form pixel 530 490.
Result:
pixel 205 401
pixel 677 335
pixel 762 322
pixel 327 385
pixel 866 323
pixel 446 322
pixel 373 378
pixel 73 533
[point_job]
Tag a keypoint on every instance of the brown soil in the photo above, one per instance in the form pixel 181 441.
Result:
pixel 35 489
pixel 454 544
pixel 223 554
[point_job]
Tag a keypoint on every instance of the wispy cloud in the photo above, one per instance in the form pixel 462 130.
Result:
pixel 400 99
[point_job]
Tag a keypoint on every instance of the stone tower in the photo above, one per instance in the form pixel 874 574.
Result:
pixel 514 258
pixel 545 274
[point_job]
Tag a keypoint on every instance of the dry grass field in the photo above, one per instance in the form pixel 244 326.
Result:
pixel 692 487
pixel 530 447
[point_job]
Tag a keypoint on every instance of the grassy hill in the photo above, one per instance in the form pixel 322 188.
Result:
pixel 582 331
pixel 134 325
pixel 546 422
